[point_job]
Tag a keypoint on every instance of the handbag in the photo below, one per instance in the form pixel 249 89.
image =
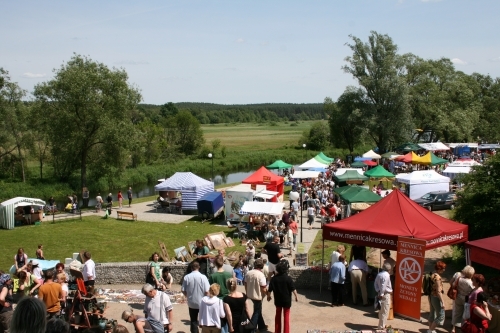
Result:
pixel 470 327
pixel 246 324
pixel 452 292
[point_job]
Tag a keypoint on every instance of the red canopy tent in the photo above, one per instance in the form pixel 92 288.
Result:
pixel 265 177
pixel 396 215
pixel 407 158
pixel 484 251
pixel 370 163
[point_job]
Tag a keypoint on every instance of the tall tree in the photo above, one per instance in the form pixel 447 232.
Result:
pixel 346 123
pixel 479 203
pixel 184 131
pixel 88 108
pixel 379 70
pixel 14 114
pixel 443 100
pixel 317 137
pixel 489 116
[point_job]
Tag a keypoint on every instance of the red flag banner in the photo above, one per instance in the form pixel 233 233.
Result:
pixel 410 269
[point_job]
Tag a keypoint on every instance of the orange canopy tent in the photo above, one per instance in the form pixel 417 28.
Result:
pixel 265 177
pixel 407 158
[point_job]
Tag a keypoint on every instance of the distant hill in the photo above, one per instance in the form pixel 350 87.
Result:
pixel 208 113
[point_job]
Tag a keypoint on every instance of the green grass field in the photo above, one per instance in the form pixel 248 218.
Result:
pixel 109 240
pixel 252 136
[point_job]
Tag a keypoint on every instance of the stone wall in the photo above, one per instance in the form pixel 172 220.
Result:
pixel 135 273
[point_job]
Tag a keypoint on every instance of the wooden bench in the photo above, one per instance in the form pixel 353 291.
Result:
pixel 121 214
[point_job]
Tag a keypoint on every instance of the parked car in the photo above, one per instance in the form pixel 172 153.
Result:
pixel 437 200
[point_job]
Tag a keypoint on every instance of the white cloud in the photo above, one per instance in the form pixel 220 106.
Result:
pixel 458 61
pixel 30 75
pixel 497 59
pixel 240 40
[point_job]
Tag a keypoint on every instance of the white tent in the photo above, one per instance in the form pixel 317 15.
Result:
pixel 8 208
pixel 421 182
pixel 464 163
pixel 312 163
pixel 255 207
pixel 305 174
pixel 265 194
pixel 470 145
pixel 341 171
pixel 372 154
pixel 433 146
pixel 190 185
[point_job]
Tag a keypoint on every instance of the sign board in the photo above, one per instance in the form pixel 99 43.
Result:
pixel 410 269
pixel 253 186
pixel 266 179
pixel 301 259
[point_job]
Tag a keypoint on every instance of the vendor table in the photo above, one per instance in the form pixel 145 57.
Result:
pixel 494 325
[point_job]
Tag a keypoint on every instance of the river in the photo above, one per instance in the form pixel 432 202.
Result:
pixel 146 190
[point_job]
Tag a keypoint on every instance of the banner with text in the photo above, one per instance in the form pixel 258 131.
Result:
pixel 410 269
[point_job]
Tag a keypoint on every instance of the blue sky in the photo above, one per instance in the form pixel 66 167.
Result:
pixel 235 52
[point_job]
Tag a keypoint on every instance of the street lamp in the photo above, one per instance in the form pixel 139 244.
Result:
pixel 212 157
pixel 304 146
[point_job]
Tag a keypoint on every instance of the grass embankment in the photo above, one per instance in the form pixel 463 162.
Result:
pixel 109 240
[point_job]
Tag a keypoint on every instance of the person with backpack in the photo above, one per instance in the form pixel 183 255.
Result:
pixel 158 308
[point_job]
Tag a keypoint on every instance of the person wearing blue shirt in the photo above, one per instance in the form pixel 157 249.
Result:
pixel 337 279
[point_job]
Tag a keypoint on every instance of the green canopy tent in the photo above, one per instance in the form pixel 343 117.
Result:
pixel 389 154
pixel 351 176
pixel 326 158
pixel 378 172
pixel 352 194
pixel 406 147
pixel 279 164
pixel 358 164
pixel 321 160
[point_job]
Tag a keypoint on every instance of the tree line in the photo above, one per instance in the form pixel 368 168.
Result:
pixel 87 121
pixel 208 113
pixel 402 97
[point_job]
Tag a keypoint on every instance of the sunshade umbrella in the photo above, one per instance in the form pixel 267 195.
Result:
pixel 351 175
pixel 429 159
pixel 279 164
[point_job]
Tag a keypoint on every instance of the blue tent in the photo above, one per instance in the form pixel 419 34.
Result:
pixel 190 185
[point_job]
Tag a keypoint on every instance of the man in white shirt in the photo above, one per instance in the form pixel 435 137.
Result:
pixel 358 269
pixel 388 260
pixel 158 306
pixel 88 269
pixel 383 287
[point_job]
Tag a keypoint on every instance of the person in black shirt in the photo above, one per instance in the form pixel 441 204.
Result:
pixel 282 286
pixel 274 255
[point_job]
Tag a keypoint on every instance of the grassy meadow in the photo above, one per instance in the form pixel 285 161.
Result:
pixel 109 240
pixel 254 136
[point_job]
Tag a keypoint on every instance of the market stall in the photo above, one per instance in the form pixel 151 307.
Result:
pixel 351 177
pixel 352 195
pixel 20 209
pixel 372 155
pixel 269 179
pixel 279 164
pixel 314 163
pixel 305 174
pixel 421 182
pixel 434 146
pixel 191 186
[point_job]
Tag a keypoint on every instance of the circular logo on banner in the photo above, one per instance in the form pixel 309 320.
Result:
pixel 410 270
